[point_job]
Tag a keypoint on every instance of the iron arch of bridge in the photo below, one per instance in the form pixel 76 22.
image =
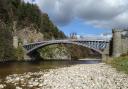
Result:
pixel 72 43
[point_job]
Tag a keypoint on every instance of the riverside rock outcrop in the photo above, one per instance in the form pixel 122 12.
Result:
pixel 55 52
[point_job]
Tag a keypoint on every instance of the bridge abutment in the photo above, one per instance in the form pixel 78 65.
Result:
pixel 105 57
pixel 26 57
pixel 106 51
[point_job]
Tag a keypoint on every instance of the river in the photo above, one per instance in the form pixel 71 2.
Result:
pixel 35 66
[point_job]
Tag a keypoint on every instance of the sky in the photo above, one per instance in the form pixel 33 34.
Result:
pixel 85 16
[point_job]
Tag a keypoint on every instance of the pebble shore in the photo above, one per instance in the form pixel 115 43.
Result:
pixel 82 76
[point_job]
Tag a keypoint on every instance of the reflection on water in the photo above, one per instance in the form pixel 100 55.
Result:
pixel 22 67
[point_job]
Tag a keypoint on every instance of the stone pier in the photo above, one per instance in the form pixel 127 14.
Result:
pixel 27 57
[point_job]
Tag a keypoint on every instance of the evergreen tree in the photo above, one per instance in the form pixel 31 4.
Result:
pixel 6 44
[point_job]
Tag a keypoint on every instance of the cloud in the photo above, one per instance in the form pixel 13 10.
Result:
pixel 100 13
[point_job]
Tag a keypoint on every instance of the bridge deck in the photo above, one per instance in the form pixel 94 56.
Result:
pixel 70 40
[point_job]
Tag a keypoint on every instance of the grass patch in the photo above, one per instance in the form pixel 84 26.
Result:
pixel 120 63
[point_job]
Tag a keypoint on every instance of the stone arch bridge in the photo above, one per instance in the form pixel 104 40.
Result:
pixel 100 46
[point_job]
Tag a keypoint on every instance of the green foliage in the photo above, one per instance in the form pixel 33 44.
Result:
pixel 49 29
pixel 19 53
pixel 28 14
pixel 6 47
pixel 120 63
pixel 80 52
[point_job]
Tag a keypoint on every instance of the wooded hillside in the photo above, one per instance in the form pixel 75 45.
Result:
pixel 24 14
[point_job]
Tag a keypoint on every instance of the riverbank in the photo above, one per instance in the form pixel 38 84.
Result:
pixel 96 59
pixel 81 76
pixel 120 63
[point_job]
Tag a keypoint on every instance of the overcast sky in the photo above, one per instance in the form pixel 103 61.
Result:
pixel 86 16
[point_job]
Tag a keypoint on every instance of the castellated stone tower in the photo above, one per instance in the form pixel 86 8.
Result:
pixel 120 42
pixel 117 43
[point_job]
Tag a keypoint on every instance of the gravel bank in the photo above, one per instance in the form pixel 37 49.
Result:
pixel 84 76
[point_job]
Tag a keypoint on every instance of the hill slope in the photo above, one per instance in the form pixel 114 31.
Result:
pixel 16 18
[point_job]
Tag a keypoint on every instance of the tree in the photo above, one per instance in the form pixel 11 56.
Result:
pixel 6 43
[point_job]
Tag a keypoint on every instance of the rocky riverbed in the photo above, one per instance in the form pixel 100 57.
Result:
pixel 82 76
